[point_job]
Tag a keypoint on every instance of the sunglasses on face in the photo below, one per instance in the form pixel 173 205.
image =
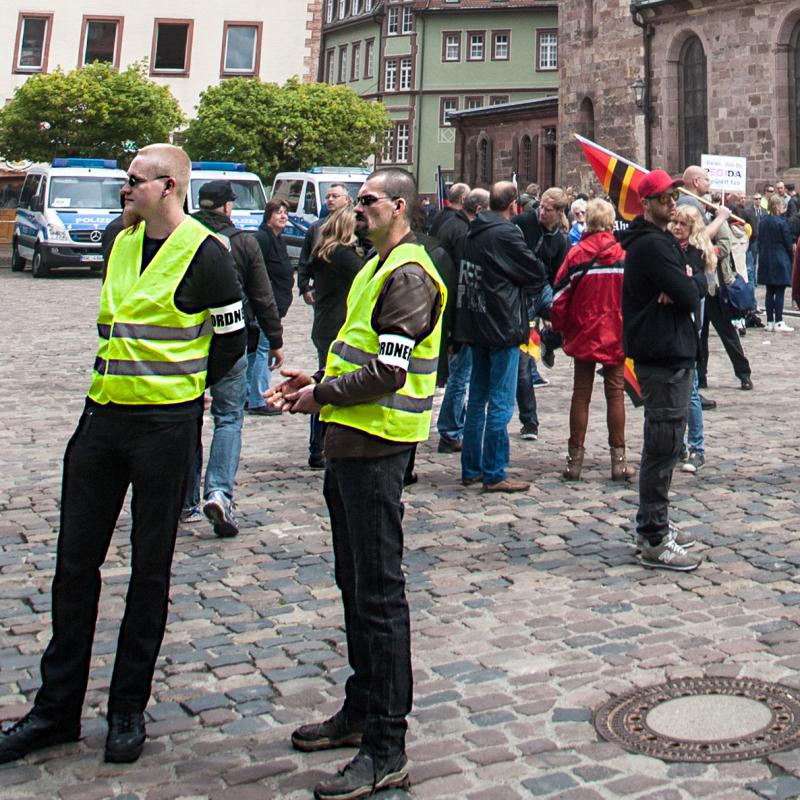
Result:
pixel 370 199
pixel 134 181
pixel 665 197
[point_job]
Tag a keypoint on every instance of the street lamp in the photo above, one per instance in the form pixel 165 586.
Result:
pixel 638 87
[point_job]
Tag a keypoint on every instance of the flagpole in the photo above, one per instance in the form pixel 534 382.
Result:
pixel 708 203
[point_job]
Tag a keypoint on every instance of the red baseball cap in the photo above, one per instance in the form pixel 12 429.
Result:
pixel 656 182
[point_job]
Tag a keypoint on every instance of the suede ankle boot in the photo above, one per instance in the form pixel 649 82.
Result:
pixel 620 470
pixel 572 471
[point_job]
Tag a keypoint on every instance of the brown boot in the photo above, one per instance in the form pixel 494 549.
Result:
pixel 620 471
pixel 572 472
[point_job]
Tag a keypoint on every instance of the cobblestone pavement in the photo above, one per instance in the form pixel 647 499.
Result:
pixel 528 611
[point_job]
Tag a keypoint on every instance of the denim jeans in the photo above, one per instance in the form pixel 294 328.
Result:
pixel 363 496
pixel 695 436
pixel 106 455
pixel 750 259
pixel 526 394
pixel 258 373
pixel 665 393
pixel 453 410
pixel 490 407
pixel 773 302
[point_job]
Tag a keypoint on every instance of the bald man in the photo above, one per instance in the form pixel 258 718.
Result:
pixel 170 323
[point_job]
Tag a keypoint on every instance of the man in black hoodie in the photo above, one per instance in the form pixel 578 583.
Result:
pixel 660 309
pixel 228 394
pixel 496 271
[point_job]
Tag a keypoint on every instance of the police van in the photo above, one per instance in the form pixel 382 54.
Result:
pixel 251 199
pixel 305 191
pixel 63 209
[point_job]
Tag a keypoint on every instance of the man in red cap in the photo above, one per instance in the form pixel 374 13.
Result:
pixel 660 313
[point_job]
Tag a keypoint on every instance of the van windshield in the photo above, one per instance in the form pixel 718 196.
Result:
pixel 352 188
pixel 249 194
pixel 92 191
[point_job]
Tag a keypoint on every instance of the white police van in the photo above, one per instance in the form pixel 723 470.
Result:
pixel 63 209
pixel 305 191
pixel 251 199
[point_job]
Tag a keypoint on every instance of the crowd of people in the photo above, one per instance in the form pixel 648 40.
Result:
pixel 402 299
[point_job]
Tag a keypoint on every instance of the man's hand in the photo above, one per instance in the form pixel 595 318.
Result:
pixel 275 359
pixel 308 296
pixel 723 211
pixel 302 402
pixel 664 299
pixel 277 396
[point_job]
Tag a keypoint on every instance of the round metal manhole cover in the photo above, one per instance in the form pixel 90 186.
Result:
pixel 703 719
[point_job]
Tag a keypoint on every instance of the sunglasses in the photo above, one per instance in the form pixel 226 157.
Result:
pixel 370 199
pixel 134 181
pixel 665 197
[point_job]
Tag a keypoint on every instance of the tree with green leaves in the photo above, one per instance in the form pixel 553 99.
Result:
pixel 93 111
pixel 275 128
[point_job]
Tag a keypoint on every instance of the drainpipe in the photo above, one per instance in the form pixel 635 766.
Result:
pixel 647 35
pixel 419 79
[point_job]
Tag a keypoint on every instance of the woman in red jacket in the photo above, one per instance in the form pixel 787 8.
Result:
pixel 587 311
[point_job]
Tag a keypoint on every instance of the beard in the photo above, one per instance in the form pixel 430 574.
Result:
pixel 129 217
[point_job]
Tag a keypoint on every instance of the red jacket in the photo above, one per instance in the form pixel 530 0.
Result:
pixel 587 304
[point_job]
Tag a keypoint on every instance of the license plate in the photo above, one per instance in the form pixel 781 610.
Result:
pixel 87 259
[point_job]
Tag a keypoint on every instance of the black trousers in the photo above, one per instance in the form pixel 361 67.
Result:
pixel 105 455
pixel 666 406
pixel 716 315
pixel 364 500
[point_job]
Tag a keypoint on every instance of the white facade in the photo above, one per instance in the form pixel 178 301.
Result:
pixel 188 45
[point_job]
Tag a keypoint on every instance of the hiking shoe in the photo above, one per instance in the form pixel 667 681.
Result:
pixel 364 776
pixel 219 513
pixel 507 485
pixel 33 732
pixel 694 462
pixel 191 515
pixel 337 731
pixel 126 735
pixel 448 445
pixel 529 431
pixel 667 554
pixel 675 534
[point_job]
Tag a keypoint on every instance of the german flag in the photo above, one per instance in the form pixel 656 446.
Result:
pixel 533 347
pixel 620 177
pixel 632 388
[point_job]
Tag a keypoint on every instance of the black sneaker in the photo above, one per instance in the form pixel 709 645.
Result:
pixel 126 735
pixel 707 404
pixel 33 732
pixel 529 431
pixel 364 776
pixel 217 509
pixel 316 461
pixel 338 731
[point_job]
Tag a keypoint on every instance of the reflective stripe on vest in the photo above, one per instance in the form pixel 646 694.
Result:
pixel 404 415
pixel 150 352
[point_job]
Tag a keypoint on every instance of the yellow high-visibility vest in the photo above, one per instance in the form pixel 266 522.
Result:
pixel 150 352
pixel 404 415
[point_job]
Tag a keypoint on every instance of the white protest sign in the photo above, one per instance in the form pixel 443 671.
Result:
pixel 727 173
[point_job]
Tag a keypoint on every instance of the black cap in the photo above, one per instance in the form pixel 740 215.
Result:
pixel 215 194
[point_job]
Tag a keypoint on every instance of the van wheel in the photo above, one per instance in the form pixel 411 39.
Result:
pixel 17 261
pixel 38 266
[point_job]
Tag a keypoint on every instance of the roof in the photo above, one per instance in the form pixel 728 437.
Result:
pixel 518 105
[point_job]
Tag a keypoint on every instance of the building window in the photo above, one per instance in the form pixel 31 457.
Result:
pixel 692 93
pixel 473 101
pixel 402 141
pixel 405 74
pixel 342 75
pixel 329 11
pixel 355 66
pixel 393 22
pixel 33 42
pixel 369 58
pixel 329 66
pixel 484 159
pixel 527 160
pixel 388 146
pixel 408 23
pixel 368 5
pixel 242 54
pixel 172 46
pixel 476 41
pixel 547 50
pixel 100 40
pixel 451 46
pixel 356 7
pixel 390 76
pixel 498 99
pixel 501 45
pixel 342 8
pixel 446 105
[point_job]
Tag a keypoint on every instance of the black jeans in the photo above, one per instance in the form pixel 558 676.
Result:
pixel 666 406
pixel 364 501
pixel 716 315
pixel 526 396
pixel 316 432
pixel 104 456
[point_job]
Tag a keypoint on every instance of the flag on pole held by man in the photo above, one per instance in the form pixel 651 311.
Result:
pixel 440 188
pixel 620 177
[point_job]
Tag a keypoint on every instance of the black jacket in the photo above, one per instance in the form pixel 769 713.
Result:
pixel 279 267
pixel 550 246
pixel 259 301
pixel 331 282
pixel 661 334
pixel 496 272
pixel 443 215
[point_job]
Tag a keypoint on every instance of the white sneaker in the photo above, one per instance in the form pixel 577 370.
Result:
pixel 783 327
pixel 770 326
